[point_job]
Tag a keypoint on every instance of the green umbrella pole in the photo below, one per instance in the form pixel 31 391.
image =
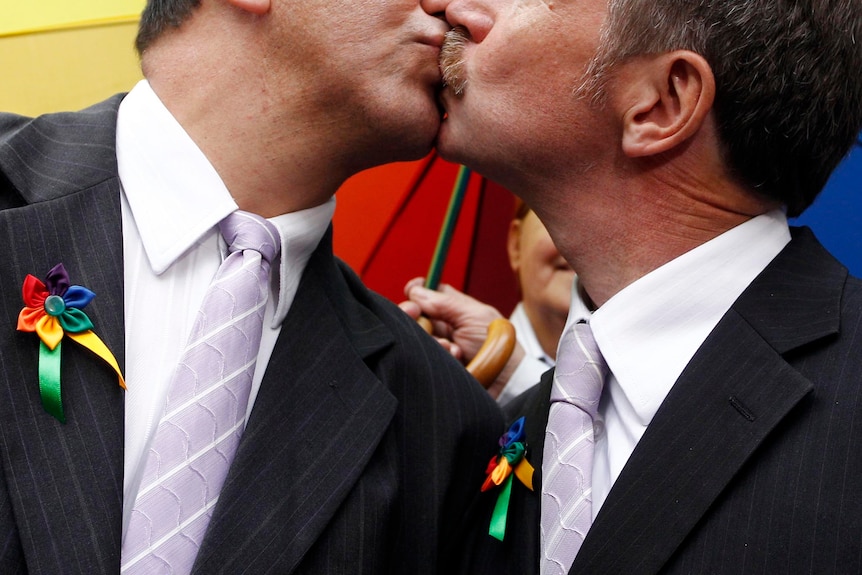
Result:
pixel 432 280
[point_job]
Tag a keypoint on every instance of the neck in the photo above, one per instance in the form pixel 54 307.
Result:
pixel 548 325
pixel 615 232
pixel 274 151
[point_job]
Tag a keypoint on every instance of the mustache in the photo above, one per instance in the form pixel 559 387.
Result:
pixel 452 64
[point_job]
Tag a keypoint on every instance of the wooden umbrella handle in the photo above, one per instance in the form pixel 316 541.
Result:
pixel 494 353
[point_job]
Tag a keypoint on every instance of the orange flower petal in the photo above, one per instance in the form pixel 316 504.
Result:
pixel 501 472
pixel 28 317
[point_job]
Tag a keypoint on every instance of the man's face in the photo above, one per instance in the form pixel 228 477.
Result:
pixel 510 100
pixel 371 67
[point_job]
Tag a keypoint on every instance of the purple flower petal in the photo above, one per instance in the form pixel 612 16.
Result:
pixel 57 280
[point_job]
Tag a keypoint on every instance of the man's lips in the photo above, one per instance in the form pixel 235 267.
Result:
pixel 434 39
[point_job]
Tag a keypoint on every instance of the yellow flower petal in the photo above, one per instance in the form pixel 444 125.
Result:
pixel 50 331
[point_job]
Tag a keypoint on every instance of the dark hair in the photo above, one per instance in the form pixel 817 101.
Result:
pixel 521 209
pixel 158 16
pixel 788 79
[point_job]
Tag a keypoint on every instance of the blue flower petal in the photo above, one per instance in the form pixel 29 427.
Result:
pixel 78 296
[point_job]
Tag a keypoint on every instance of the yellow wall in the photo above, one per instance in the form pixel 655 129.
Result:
pixel 37 15
pixel 67 55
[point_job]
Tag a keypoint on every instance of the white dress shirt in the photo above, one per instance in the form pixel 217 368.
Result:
pixel 535 362
pixel 172 200
pixel 650 330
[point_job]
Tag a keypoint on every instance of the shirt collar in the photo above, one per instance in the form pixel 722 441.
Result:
pixel 174 193
pixel 300 233
pixel 650 330
pixel 177 198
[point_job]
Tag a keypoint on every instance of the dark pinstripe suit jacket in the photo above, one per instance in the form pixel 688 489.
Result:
pixel 365 444
pixel 753 463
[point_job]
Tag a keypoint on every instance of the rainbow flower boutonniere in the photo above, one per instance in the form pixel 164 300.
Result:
pixel 53 309
pixel 509 462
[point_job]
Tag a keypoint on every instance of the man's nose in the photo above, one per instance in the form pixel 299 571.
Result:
pixel 435 7
pixel 474 15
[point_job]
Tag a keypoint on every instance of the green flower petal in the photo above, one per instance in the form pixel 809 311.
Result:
pixel 75 321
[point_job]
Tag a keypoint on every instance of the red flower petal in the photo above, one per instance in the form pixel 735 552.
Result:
pixel 34 291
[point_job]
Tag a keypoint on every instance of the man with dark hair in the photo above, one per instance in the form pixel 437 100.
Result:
pixel 278 417
pixel 704 414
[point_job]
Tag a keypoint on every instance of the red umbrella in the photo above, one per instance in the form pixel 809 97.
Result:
pixel 388 220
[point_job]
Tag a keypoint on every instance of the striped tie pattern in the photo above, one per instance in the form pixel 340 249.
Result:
pixel 568 453
pixel 204 415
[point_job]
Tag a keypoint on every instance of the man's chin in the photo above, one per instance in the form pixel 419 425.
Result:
pixel 447 143
pixel 417 141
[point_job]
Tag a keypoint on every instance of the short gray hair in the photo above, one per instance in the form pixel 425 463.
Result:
pixel 788 79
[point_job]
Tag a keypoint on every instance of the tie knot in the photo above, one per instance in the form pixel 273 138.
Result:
pixel 581 370
pixel 247 231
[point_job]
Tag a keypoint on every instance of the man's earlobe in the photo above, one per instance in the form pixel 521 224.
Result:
pixel 258 7
pixel 666 101
pixel 513 244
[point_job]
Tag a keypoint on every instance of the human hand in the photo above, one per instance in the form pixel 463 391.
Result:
pixel 459 322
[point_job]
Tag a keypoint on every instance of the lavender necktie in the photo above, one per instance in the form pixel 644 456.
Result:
pixel 568 455
pixel 205 409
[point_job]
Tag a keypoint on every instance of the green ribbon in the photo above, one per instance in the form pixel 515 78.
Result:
pixel 49 380
pixel 497 529
pixel 516 466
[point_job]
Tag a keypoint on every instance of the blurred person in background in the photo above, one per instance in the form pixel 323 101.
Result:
pixel 545 284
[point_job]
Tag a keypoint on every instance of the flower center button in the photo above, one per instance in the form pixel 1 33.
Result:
pixel 54 305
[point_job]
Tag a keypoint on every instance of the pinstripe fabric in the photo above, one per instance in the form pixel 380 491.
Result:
pixel 751 465
pixel 62 487
pixel 362 425
pixel 362 436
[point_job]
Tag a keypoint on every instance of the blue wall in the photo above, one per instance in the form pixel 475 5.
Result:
pixel 836 215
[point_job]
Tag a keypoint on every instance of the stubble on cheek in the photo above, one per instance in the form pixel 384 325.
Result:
pixel 452 65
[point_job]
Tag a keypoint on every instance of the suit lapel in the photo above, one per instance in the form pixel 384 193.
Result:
pixel 522 531
pixel 733 394
pixel 65 480
pixel 729 399
pixel 319 417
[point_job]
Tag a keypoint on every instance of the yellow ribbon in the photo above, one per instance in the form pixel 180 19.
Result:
pixel 92 342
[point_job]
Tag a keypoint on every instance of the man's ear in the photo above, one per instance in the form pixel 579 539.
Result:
pixel 258 7
pixel 666 99
pixel 513 244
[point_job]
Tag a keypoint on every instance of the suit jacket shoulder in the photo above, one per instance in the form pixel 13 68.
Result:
pixel 750 465
pixel 746 466
pixel 56 154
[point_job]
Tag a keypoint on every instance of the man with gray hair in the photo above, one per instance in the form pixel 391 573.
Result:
pixel 705 415
pixel 277 416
